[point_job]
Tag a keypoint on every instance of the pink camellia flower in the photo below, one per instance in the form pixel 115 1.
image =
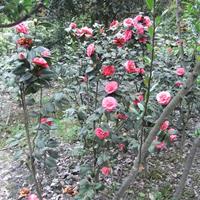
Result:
pixel 21 56
pixel 108 70
pixel 121 116
pixel 143 40
pixel 33 197
pixel 46 121
pixel 85 31
pixel 46 53
pixel 22 28
pixel 138 18
pixel 142 71
pixel 128 35
pixel 121 147
pixel 119 41
pixel 172 138
pixel 146 21
pixel 139 29
pixel 171 131
pixel 109 104
pixel 101 134
pixel 163 97
pixel 164 126
pixel 40 62
pixel 105 171
pixel 180 71
pixel 179 84
pixel 128 22
pixel 90 50
pixel 111 87
pixel 73 25
pixel 160 146
pixel 130 66
pixel 114 25
pixel 138 99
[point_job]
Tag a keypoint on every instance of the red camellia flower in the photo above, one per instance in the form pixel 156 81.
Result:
pixel 128 22
pixel 111 87
pixel 25 42
pixel 180 71
pixel 46 121
pixel 46 53
pixel 108 70
pixel 40 62
pixel 161 146
pixel 163 97
pixel 121 146
pixel 119 41
pixel 138 99
pixel 121 116
pixel 143 40
pixel 73 25
pixel 172 138
pixel 128 35
pixel 130 66
pixel 142 71
pixel 22 28
pixel 179 84
pixel 114 25
pixel 85 31
pixel 101 134
pixel 138 19
pixel 33 197
pixel 146 21
pixel 21 56
pixel 105 171
pixel 109 104
pixel 90 50
pixel 164 126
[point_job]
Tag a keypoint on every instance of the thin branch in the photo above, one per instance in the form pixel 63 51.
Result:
pixel 166 112
pixel 35 10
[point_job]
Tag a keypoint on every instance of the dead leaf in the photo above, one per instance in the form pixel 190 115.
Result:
pixel 24 192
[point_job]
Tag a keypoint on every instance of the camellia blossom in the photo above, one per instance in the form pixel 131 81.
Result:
pixel 108 70
pixel 119 41
pixel 163 97
pixel 128 35
pixel 128 22
pixel 105 171
pixel 179 84
pixel 22 28
pixel 121 116
pixel 46 53
pixel 111 87
pixel 138 99
pixel 21 56
pixel 33 197
pixel 109 104
pixel 130 66
pixel 90 50
pixel 171 131
pixel 164 126
pixel 46 121
pixel 121 147
pixel 73 25
pixel 172 138
pixel 25 42
pixel 139 29
pixel 146 21
pixel 143 40
pixel 180 71
pixel 142 71
pixel 114 25
pixel 40 62
pixel 160 146
pixel 101 134
pixel 85 31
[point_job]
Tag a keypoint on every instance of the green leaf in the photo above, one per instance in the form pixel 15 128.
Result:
pixel 151 30
pixel 150 4
pixel 141 107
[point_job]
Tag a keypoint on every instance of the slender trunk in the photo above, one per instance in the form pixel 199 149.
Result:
pixel 166 112
pixel 178 20
pixel 26 124
pixel 188 165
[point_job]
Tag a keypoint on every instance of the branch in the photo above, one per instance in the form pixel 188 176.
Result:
pixel 188 165
pixel 40 5
pixel 166 112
